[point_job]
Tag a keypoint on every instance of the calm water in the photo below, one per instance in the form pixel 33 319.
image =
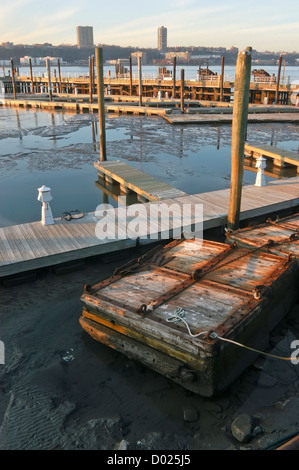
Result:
pixel 59 150
pixel 289 74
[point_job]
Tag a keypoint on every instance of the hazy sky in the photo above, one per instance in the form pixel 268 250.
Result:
pixel 263 24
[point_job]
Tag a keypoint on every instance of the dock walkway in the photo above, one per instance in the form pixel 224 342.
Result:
pixel 226 117
pixel 131 179
pixel 280 157
pixel 33 246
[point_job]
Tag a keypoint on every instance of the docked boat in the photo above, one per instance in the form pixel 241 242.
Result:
pixel 195 311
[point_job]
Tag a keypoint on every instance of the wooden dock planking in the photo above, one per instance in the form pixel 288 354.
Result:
pixel 132 179
pixel 280 157
pixel 219 118
pixel 33 246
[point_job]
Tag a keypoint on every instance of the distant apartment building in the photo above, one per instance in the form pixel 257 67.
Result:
pixel 162 38
pixel 40 61
pixel 85 36
pixel 182 56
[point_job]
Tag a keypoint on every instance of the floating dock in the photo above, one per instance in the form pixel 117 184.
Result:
pixel 283 234
pixel 177 310
pixel 132 180
pixel 280 157
pixel 33 246
pixel 227 118
pixel 81 107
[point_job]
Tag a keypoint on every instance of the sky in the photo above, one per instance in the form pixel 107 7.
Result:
pixel 263 24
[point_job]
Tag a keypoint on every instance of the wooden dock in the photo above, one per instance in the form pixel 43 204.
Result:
pixel 133 180
pixel 280 157
pixel 227 118
pixel 33 246
pixel 78 106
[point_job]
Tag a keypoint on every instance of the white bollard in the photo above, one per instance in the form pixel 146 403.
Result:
pixel 45 197
pixel 260 177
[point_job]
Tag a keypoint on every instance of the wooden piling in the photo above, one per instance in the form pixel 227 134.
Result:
pixel 278 80
pixel 31 74
pixel 140 80
pixel 49 80
pixel 222 78
pixel 13 79
pixel 174 78
pixel 239 128
pixel 90 81
pixel 59 75
pixel 131 76
pixel 101 101
pixel 182 91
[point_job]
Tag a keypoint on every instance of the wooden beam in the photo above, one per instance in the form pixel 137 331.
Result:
pixel 31 74
pixel 239 128
pixel 182 91
pixel 131 76
pixel 222 79
pixel 140 80
pixel 278 80
pixel 174 78
pixel 49 80
pixel 101 101
pixel 13 79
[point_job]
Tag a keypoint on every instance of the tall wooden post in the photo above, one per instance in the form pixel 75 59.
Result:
pixel 101 101
pixel 174 78
pixel 49 80
pixel 131 77
pixel 239 128
pixel 182 91
pixel 90 80
pixel 59 75
pixel 140 80
pixel 31 74
pixel 93 74
pixel 222 78
pixel 13 79
pixel 278 80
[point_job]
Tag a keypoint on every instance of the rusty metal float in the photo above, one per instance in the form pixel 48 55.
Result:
pixel 184 309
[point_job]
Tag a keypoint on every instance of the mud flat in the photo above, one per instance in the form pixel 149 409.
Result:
pixel 60 390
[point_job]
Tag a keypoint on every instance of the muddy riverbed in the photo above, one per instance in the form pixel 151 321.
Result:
pixel 59 389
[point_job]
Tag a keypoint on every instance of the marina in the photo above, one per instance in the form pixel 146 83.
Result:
pixel 198 312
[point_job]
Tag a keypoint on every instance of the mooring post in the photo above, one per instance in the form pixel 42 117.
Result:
pixel 13 79
pixel 174 77
pixel 59 74
pixel 140 79
pixel 131 77
pixel 182 91
pixel 90 80
pixel 101 101
pixel 49 79
pixel 93 74
pixel 31 74
pixel 222 78
pixel 278 80
pixel 239 128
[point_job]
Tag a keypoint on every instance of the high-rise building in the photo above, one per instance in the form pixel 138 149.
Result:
pixel 85 36
pixel 162 38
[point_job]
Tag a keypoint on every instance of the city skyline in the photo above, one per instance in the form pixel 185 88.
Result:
pixel 264 25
